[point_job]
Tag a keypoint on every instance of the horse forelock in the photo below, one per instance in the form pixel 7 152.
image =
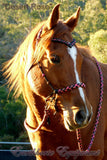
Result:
pixel 46 39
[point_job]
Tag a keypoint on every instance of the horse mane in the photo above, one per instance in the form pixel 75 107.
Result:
pixel 12 68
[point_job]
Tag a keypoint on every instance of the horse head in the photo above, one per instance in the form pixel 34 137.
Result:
pixel 47 62
pixel 61 65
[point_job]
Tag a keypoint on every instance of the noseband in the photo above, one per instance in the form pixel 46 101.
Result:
pixel 53 97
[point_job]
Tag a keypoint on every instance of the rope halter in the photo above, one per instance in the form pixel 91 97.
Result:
pixel 53 97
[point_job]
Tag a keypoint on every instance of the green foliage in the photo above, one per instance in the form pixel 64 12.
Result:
pixel 12 114
pixel 93 19
pixel 6 138
pixel 104 4
pixel 98 45
pixel 2 31
pixel 22 138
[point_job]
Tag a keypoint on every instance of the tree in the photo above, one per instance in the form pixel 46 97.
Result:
pixel 12 114
pixel 94 19
pixel 98 45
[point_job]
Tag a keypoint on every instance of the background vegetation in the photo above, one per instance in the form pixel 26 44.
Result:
pixel 17 18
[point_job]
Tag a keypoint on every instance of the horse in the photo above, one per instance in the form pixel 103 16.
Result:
pixel 65 89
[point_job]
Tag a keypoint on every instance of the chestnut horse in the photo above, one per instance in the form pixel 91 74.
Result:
pixel 63 88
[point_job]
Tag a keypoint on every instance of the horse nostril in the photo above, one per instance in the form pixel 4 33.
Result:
pixel 80 117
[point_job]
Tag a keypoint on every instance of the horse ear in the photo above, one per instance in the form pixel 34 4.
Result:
pixel 53 18
pixel 73 20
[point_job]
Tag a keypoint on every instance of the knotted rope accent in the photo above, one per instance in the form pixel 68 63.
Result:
pixel 69 44
pixel 69 88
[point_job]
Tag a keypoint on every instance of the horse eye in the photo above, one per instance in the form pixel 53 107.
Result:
pixel 55 59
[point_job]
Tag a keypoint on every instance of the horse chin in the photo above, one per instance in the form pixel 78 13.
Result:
pixel 68 125
pixel 72 127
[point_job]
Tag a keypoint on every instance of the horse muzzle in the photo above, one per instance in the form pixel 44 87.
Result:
pixel 76 118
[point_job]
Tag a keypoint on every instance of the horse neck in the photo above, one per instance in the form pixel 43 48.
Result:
pixel 35 106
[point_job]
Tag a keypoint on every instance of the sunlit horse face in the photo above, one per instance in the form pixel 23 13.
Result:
pixel 62 67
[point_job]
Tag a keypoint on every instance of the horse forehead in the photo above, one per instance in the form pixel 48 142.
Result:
pixel 73 53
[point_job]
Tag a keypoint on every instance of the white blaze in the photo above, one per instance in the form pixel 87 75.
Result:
pixel 73 53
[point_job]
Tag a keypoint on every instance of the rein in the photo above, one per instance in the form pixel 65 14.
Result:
pixel 53 98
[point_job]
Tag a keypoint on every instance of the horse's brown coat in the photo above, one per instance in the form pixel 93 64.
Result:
pixel 54 135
